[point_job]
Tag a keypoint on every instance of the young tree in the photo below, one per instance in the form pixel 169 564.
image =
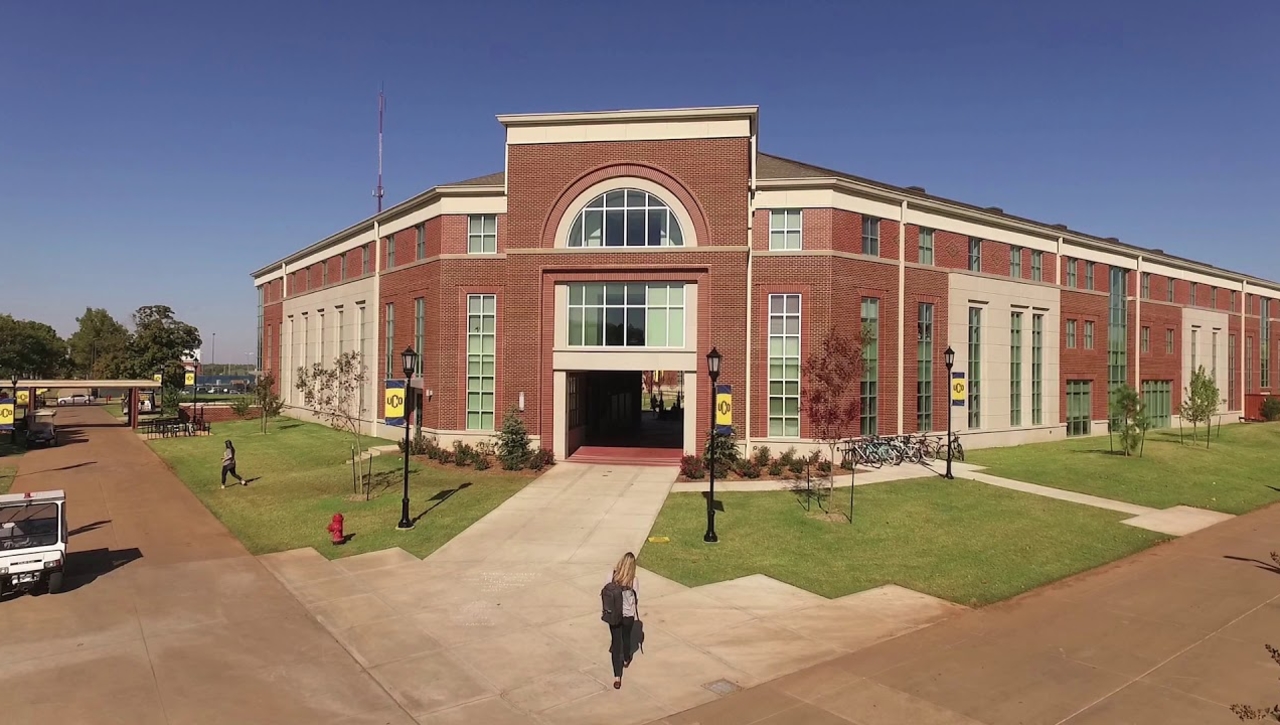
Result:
pixel 1130 413
pixel 333 394
pixel 100 346
pixel 514 447
pixel 1201 403
pixel 832 375
pixel 264 396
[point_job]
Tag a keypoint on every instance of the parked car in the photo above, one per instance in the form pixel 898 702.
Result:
pixel 33 541
pixel 77 399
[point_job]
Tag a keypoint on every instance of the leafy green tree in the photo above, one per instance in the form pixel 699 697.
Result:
pixel 333 394
pixel 1201 403
pixel 100 347
pixel 1130 414
pixel 514 446
pixel 31 349
pixel 158 344
pixel 264 396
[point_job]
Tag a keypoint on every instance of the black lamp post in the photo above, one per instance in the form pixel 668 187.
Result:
pixel 950 358
pixel 713 372
pixel 410 364
pixel 13 432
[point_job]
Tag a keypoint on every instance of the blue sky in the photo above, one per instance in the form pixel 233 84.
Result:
pixel 204 140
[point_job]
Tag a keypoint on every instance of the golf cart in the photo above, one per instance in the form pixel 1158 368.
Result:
pixel 33 541
pixel 41 430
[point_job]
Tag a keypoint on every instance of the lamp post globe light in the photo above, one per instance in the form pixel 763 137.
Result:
pixel 713 372
pixel 949 357
pixel 410 364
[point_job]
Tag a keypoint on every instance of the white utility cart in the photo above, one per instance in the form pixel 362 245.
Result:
pixel 33 541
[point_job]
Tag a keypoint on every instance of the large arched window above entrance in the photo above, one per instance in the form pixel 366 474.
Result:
pixel 626 218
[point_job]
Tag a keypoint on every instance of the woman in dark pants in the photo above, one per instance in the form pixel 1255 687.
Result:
pixel 624 575
pixel 229 465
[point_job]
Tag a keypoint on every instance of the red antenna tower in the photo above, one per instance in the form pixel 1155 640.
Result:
pixel 382 108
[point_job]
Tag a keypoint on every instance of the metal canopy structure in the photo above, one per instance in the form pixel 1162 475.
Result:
pixel 132 386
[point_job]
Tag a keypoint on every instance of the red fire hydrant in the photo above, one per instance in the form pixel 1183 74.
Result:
pixel 335 531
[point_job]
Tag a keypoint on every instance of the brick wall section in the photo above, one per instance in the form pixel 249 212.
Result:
pixel 1081 363
pixel 924 285
pixel 1159 364
pixel 950 250
pixel 272 317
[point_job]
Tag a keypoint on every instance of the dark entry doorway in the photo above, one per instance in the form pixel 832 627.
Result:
pixel 612 415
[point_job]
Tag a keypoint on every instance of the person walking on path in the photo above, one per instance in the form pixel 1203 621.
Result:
pixel 621 605
pixel 229 465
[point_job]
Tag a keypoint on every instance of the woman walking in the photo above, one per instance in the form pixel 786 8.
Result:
pixel 229 465
pixel 621 606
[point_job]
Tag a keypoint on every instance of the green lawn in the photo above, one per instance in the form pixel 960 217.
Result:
pixel 959 540
pixel 1236 474
pixel 304 479
pixel 8 463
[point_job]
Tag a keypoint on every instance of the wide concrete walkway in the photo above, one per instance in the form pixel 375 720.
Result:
pixel 502 625
pixel 166 618
pixel 1174 636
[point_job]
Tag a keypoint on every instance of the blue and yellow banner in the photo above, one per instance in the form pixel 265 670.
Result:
pixel 393 403
pixel 24 397
pixel 958 389
pixel 724 410
pixel 189 380
pixel 6 414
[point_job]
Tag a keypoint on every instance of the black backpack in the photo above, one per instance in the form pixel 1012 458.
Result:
pixel 611 604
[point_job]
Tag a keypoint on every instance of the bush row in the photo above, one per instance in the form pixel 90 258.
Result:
pixel 761 461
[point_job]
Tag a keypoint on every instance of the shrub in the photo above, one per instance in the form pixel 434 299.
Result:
pixel 749 469
pixel 540 459
pixel 796 466
pixel 725 453
pixel 692 467
pixel 445 456
pixel 242 407
pixel 419 445
pixel 762 456
pixel 482 463
pixel 776 468
pixel 514 447
pixel 1270 408
pixel 463 454
pixel 820 464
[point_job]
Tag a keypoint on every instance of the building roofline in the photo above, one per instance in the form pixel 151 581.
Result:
pixel 995 217
pixel 624 116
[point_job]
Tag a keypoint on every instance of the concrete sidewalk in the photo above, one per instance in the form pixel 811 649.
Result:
pixel 1173 635
pixel 165 618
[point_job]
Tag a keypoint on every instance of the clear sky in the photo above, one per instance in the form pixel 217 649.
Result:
pixel 158 152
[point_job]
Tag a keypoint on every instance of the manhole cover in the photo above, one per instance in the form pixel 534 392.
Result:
pixel 722 687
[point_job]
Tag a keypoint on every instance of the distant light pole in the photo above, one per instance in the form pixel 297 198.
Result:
pixel 949 357
pixel 13 432
pixel 410 364
pixel 713 372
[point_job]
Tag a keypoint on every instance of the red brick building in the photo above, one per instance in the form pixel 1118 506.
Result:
pixel 621 242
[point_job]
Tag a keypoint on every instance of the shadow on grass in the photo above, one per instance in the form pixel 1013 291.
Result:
pixel 440 498
pixel 1259 564
pixel 287 426
pixel 718 505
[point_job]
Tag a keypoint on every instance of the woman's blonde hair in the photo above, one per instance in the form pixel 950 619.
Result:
pixel 624 574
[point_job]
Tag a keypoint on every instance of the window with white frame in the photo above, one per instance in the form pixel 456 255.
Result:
pixel 420 241
pixel 630 314
pixel 975 254
pixel 871 236
pixel 784 366
pixel 482 343
pixel 342 347
pixel 625 218
pixel 419 324
pixel 390 337
pixel 926 246
pixel 1015 262
pixel 869 389
pixel 785 229
pixel 1037 265
pixel 482 234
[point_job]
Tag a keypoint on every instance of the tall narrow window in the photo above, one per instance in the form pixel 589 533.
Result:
pixel 1264 345
pixel 361 346
pixel 364 259
pixel 1213 356
pixel 926 246
pixel 324 273
pixel 1037 369
pixel 1037 265
pixel 420 241
pixel 1117 335
pixel 785 229
pixel 871 236
pixel 306 340
pixel 1146 285
pixel 975 254
pixel 1088 334
pixel 1231 371
pixel 1193 293
pixel 1071 334
pixel 1248 363
pixel 482 343
pixel 1015 369
pixel 1234 301
pixel 324 353
pixel 342 271
pixel 1146 339
pixel 924 368
pixel 341 333
pixel 871 372
pixel 419 322
pixel 1088 275
pixel 1079 406
pixel 1071 272
pixel 975 367
pixel 262 297
pixel 482 234
pixel 390 336
pixel 1195 343
pixel 1015 262
pixel 1171 289
pixel 784 366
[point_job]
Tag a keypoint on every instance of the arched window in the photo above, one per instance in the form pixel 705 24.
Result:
pixel 626 218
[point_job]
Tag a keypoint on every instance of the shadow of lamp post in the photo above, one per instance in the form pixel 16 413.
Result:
pixel 410 364
pixel 713 372
pixel 949 357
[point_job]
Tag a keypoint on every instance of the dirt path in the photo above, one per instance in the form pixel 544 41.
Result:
pixel 165 618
